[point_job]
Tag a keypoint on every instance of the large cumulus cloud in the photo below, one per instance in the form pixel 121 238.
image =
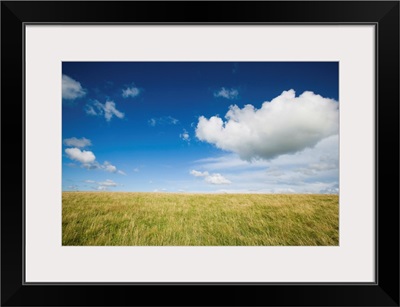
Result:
pixel 285 125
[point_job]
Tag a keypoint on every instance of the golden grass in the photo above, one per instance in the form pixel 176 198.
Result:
pixel 166 219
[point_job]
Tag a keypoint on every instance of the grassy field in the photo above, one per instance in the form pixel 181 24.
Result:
pixel 164 219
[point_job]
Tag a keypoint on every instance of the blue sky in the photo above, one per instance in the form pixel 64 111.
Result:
pixel 259 127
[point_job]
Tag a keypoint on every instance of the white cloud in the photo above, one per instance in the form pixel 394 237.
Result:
pixel 227 93
pixel 88 161
pixel 108 110
pixel 74 142
pixel 130 92
pixel 136 170
pixel 286 125
pixel 185 136
pixel 217 179
pixel 199 174
pixel 79 155
pixel 109 167
pixel 107 183
pixel 71 89
pixel 164 120
pixel 102 185
pixel 213 178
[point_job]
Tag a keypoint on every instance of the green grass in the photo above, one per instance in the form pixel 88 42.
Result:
pixel 164 219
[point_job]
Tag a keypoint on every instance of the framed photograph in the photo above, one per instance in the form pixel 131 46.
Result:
pixel 241 146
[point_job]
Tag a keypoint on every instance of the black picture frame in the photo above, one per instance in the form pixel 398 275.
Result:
pixel 383 14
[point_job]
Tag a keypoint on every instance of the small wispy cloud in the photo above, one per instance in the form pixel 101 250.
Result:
pixel 109 167
pixel 108 110
pixel 106 166
pixel 130 92
pixel 215 178
pixel 185 136
pixel 227 93
pixel 102 185
pixel 199 174
pixel 71 89
pixel 164 120
pixel 90 110
pixel 152 122
pixel 108 183
pixel 75 142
